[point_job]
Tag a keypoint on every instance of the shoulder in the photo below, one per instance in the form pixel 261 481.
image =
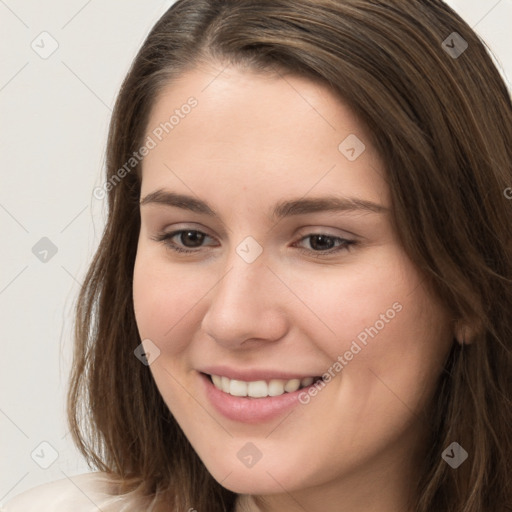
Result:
pixel 81 493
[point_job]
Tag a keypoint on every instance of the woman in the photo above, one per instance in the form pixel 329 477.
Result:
pixel 301 300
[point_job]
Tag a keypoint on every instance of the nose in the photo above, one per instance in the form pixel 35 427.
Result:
pixel 247 306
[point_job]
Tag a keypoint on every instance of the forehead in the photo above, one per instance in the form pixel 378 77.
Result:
pixel 217 128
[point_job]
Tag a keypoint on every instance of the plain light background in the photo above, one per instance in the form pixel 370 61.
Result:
pixel 54 115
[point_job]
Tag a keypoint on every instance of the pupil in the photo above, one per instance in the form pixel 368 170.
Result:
pixel 193 235
pixel 320 246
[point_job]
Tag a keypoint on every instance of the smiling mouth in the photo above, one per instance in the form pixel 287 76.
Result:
pixel 260 388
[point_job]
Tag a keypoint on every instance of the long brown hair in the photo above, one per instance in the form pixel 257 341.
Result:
pixel 442 123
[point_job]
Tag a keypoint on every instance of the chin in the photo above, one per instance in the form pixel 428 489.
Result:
pixel 264 477
pixel 245 482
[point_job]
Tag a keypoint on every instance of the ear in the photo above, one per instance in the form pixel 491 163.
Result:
pixel 464 334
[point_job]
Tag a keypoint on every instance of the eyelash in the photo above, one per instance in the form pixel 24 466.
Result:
pixel 345 244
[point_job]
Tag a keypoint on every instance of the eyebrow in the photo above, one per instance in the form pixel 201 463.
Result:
pixel 282 209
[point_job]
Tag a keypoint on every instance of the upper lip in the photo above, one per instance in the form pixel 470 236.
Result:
pixel 251 375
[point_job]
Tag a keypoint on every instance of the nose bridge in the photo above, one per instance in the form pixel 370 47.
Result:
pixel 246 269
pixel 246 283
pixel 244 304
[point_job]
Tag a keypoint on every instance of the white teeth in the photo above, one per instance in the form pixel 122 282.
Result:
pixel 238 388
pixel 307 381
pixel 260 388
pixel 257 389
pixel 275 387
pixel 225 384
pixel 217 381
pixel 292 385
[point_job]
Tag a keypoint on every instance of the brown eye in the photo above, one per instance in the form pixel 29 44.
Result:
pixel 195 237
pixel 322 243
pixel 189 238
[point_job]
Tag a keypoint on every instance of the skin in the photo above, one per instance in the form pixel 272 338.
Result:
pixel 253 140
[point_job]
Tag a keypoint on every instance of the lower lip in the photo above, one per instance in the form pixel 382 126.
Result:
pixel 248 409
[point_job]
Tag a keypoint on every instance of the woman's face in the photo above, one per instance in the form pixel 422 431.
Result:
pixel 295 272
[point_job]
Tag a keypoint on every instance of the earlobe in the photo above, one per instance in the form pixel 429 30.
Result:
pixel 463 333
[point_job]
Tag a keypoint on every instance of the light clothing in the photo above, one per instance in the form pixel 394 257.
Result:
pixel 88 492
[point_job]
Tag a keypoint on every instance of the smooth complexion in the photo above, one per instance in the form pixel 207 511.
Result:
pixel 253 141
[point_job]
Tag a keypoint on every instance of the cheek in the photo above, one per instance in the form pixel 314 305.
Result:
pixel 384 333
pixel 164 296
pixel 350 306
pixel 393 339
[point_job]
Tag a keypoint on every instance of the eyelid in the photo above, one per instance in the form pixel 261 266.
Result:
pixel 341 233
